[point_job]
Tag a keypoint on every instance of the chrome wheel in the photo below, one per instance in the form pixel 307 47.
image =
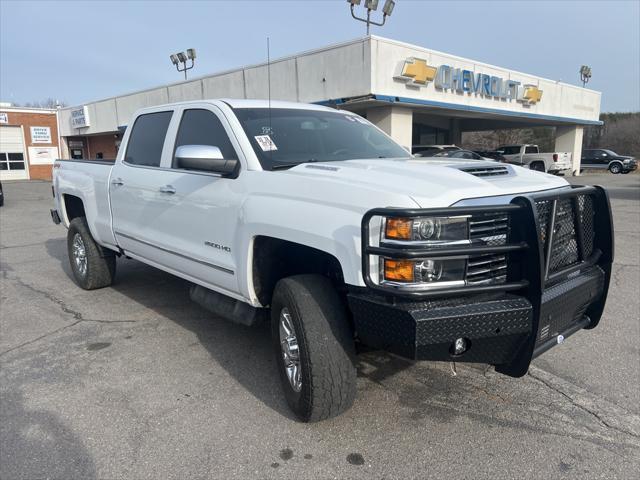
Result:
pixel 290 350
pixel 79 254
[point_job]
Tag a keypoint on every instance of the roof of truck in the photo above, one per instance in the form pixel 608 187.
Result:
pixel 261 103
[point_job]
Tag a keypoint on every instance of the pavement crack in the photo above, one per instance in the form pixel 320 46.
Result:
pixel 77 316
pixel 63 306
pixel 581 406
pixel 34 340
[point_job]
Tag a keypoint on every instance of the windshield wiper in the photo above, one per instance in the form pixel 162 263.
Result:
pixel 284 166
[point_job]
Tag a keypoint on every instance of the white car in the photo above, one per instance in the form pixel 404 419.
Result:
pixel 530 156
pixel 317 221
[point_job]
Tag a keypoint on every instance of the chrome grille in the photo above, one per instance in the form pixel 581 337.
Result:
pixel 488 229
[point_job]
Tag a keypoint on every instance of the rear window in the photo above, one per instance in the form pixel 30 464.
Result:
pixel 147 139
pixel 511 150
pixel 531 149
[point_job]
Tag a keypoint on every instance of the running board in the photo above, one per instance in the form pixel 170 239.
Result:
pixel 226 307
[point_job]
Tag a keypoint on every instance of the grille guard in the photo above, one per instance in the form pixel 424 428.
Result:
pixel 528 273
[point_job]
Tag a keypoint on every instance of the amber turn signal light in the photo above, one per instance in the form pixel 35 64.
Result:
pixel 398 270
pixel 398 228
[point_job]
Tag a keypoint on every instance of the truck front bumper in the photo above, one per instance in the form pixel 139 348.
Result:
pixel 494 327
pixel 558 247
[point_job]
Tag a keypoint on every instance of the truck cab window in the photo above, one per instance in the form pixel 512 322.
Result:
pixel 530 149
pixel 203 127
pixel 147 139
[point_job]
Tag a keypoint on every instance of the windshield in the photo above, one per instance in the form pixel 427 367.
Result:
pixel 610 153
pixel 287 137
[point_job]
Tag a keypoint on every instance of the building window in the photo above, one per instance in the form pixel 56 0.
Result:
pixel 427 135
pixel 11 161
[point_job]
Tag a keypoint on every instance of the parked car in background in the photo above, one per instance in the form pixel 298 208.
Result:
pixel 462 154
pixel 492 154
pixel 530 156
pixel 607 159
pixel 1 195
pixel 428 150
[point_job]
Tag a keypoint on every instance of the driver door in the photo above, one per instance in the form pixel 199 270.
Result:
pixel 200 210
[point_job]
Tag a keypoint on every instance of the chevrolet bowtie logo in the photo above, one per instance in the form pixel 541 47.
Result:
pixel 418 71
pixel 532 94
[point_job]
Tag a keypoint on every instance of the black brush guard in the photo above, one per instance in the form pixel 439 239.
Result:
pixel 507 324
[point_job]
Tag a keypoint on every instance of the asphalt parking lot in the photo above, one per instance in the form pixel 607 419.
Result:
pixel 135 381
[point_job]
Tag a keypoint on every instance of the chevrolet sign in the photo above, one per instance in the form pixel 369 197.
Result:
pixel 417 73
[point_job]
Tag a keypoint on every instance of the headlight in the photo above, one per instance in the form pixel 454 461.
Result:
pixel 423 271
pixel 427 229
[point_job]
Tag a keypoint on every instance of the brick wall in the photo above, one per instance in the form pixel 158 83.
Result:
pixel 102 143
pixel 35 119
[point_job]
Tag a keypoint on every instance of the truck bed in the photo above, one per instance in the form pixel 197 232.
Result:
pixel 89 180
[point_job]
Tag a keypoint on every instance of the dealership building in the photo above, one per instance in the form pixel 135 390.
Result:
pixel 28 142
pixel 417 95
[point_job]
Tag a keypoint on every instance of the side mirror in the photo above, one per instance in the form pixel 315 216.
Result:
pixel 604 154
pixel 500 152
pixel 206 158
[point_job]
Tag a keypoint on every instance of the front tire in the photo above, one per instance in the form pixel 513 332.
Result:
pixel 615 168
pixel 314 346
pixel 90 266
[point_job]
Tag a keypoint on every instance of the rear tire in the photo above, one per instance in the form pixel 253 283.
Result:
pixel 537 166
pixel 615 168
pixel 92 267
pixel 309 325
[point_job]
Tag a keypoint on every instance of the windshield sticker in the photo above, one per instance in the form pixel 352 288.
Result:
pixel 265 142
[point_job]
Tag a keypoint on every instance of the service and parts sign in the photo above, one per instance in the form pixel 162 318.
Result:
pixel 417 73
pixel 40 135
pixel 42 155
pixel 80 117
pixel 4 118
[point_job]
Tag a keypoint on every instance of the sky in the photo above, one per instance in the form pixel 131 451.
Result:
pixel 87 50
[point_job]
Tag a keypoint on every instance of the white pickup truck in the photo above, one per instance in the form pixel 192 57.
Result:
pixel 530 156
pixel 315 219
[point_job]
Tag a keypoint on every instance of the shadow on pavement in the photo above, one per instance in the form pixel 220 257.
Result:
pixel 246 353
pixel 53 450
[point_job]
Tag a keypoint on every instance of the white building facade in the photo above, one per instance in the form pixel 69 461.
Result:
pixel 417 95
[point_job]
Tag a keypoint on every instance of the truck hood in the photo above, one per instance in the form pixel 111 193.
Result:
pixel 432 182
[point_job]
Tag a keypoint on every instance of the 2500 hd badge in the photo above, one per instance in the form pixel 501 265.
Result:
pixel 339 237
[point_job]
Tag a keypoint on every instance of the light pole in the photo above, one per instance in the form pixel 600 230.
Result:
pixel 372 5
pixel 180 58
pixel 585 74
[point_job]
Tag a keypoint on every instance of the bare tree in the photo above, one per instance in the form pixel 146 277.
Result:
pixel 620 133
pixel 46 103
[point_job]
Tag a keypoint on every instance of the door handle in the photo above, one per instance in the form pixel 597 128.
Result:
pixel 168 189
pixel 117 182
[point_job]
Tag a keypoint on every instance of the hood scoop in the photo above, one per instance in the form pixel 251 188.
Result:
pixel 487 171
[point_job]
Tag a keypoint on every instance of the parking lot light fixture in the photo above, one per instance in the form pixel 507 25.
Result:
pixel 372 6
pixel 387 10
pixel 180 60
pixel 585 74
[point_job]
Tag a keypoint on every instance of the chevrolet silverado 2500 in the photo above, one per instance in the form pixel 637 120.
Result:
pixel 530 156
pixel 315 219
